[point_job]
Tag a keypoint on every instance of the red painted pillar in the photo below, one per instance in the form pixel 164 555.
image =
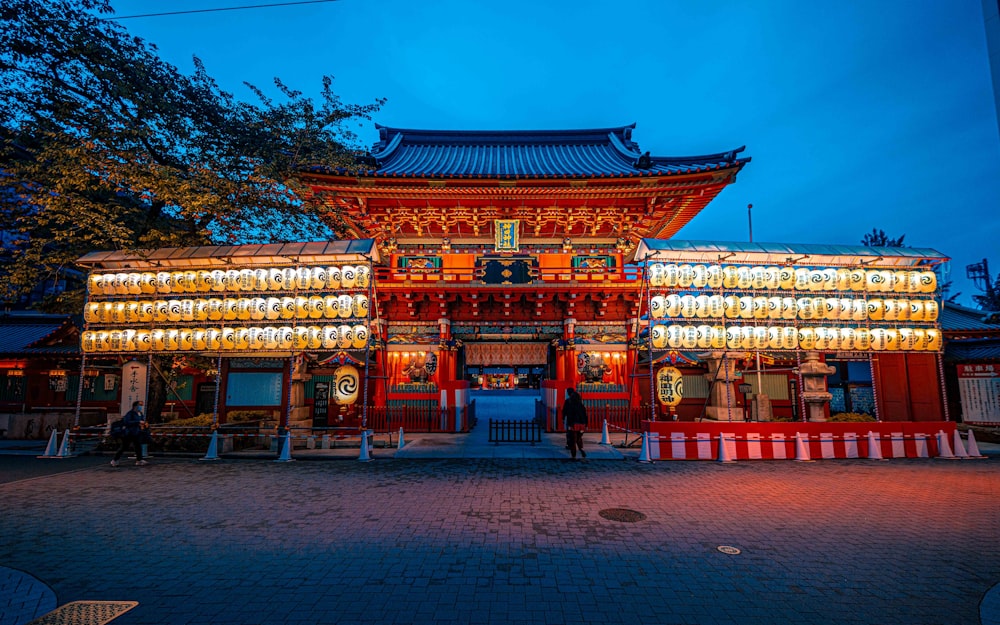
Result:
pixel 569 354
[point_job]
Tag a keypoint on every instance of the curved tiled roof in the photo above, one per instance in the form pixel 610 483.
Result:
pixel 595 153
pixel 957 318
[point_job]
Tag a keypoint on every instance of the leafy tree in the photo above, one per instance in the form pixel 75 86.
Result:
pixel 878 238
pixel 103 145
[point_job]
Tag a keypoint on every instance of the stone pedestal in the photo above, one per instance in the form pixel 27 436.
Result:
pixel 722 370
pixel 814 390
pixel 300 415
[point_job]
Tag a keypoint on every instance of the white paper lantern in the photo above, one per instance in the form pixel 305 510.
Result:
pixel 758 278
pixel 275 279
pixel 333 278
pixel 261 279
pixel 88 341
pixel 744 278
pixel 187 310
pixel 258 309
pixel 659 336
pixel 859 310
pixel 786 278
pixel 718 337
pixel 331 307
pixel 255 338
pixel 360 309
pixel 862 339
pixel 143 340
pixel 822 342
pixel 876 311
pixel 789 337
pixel 285 338
pixel 228 338
pixel 789 308
pixel 919 340
pixel 174 310
pixel 672 305
pixel 931 310
pixel 346 385
pixel 686 277
pixel 730 277
pixel 917 309
pixel 300 336
pixel 303 278
pixel 287 307
pixel 807 338
pixel 301 307
pixel 270 338
pixel 348 276
pixel 289 275
pixel 879 340
pixel 773 337
pixel 319 278
pixel 316 307
pixel 230 310
pixel 715 276
pixel 133 285
pixel 92 313
pixel 315 340
pixel 330 337
pixel 907 339
pixel 933 340
pixel 186 339
pixel 805 308
pixel 816 280
pixel 843 280
pixel 701 306
pixel 731 306
pixel 272 310
pixel 746 307
pixel 771 278
pixel 346 306
pixel 664 275
pixel 657 307
pixel 689 337
pixel 95 284
pixel 674 336
pixel 364 276
pixel 345 337
pixel 360 336
pixel 716 306
pixel 733 337
pixel 802 279
pixel 700 279
pixel 172 340
pixel 198 341
pixel 746 337
pixel 901 283
pixel 845 309
pixel 760 307
pixel 902 309
pixel 847 339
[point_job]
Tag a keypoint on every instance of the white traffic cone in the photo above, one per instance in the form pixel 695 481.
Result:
pixel 724 456
pixel 801 450
pixel 213 447
pixel 644 451
pixel 64 447
pixel 286 449
pixel 874 447
pixel 605 439
pixel 52 449
pixel 944 450
pixel 958 447
pixel 402 442
pixel 365 456
pixel 973 447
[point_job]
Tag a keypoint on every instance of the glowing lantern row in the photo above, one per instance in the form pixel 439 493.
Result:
pixel 759 307
pixel 203 281
pixel 787 337
pixel 791 278
pixel 226 339
pixel 229 309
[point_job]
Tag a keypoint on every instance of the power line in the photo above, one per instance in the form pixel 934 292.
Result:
pixel 239 8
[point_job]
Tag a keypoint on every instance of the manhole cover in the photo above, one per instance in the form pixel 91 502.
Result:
pixel 85 613
pixel 733 551
pixel 623 515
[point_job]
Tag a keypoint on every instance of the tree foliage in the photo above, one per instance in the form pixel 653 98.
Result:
pixel 106 146
pixel 878 238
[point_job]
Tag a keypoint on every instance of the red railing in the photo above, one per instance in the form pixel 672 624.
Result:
pixel 419 419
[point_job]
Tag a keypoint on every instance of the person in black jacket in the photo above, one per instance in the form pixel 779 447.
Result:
pixel 135 425
pixel 575 415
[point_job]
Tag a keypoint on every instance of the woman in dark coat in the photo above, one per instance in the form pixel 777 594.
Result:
pixel 135 425
pixel 575 415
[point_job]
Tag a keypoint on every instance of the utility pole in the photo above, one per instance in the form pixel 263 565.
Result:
pixel 750 220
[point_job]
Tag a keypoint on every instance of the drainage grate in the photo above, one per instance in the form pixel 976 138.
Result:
pixel 623 515
pixel 85 613
pixel 733 551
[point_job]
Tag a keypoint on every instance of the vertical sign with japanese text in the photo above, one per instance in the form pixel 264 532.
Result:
pixel 979 387
pixel 133 384
pixel 321 404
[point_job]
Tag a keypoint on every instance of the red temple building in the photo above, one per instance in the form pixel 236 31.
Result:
pixel 537 259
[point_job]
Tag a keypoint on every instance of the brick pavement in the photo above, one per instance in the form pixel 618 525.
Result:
pixel 502 540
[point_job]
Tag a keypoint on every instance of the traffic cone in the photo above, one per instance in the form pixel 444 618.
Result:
pixel 958 446
pixel 874 447
pixel 724 456
pixel 972 447
pixel 605 439
pixel 286 450
pixel 365 456
pixel 801 451
pixel 213 447
pixel 944 450
pixel 64 448
pixel 52 449
pixel 402 443
pixel 644 452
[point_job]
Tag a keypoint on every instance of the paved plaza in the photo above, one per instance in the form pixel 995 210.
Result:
pixel 514 539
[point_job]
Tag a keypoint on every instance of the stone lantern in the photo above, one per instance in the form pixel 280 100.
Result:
pixel 814 391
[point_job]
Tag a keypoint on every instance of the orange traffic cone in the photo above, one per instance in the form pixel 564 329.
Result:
pixel 874 447
pixel 944 450
pixel 724 456
pixel 801 450
pixel 973 447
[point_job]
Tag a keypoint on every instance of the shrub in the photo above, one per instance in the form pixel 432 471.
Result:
pixel 851 417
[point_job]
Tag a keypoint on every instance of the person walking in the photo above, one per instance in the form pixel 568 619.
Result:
pixel 575 416
pixel 135 426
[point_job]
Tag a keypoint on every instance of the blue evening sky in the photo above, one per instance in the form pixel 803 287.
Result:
pixel 858 115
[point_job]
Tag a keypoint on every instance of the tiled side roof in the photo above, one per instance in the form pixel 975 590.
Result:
pixel 20 338
pixel 965 350
pixel 603 152
pixel 957 318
